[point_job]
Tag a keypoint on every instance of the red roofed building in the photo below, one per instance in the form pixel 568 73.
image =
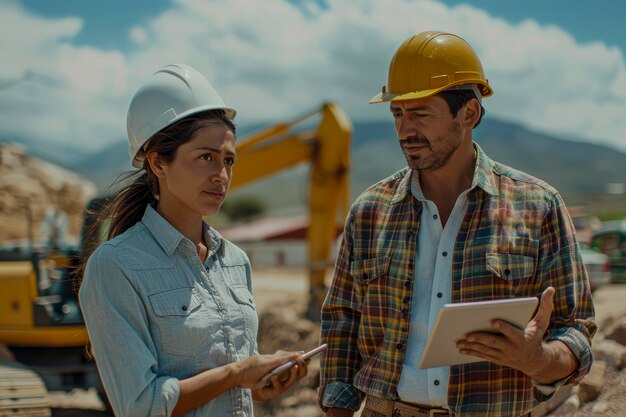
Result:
pixel 273 241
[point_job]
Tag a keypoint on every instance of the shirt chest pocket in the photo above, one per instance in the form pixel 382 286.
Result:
pixel 510 267
pixel 183 321
pixel 366 271
pixel 248 319
pixel 371 276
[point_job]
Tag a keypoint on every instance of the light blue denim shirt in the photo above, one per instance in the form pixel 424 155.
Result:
pixel 156 315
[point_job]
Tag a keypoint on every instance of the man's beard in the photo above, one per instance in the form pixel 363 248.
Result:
pixel 445 147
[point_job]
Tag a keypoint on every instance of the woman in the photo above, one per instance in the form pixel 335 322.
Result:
pixel 167 301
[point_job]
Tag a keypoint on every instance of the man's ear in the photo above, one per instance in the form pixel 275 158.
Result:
pixel 156 164
pixel 471 113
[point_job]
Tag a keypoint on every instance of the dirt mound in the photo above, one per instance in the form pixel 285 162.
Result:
pixel 32 187
pixel 283 327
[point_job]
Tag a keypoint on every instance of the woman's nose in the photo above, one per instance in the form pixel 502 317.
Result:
pixel 221 176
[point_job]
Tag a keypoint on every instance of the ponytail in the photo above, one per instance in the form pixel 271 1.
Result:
pixel 117 213
pixel 127 207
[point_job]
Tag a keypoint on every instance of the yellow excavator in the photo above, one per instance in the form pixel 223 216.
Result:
pixel 40 322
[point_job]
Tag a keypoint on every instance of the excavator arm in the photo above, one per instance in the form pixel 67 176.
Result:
pixel 327 149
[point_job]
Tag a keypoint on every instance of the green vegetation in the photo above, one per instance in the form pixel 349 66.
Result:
pixel 240 208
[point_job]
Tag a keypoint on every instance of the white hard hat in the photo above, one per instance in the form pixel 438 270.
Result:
pixel 169 95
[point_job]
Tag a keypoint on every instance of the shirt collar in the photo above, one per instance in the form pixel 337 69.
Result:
pixel 483 173
pixel 483 178
pixel 169 238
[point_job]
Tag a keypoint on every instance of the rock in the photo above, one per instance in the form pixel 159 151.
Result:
pixel 561 394
pixel 600 407
pixel 591 386
pixel 569 406
pixel 32 187
pixel 617 332
pixel 610 352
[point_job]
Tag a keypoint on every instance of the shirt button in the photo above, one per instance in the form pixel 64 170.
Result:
pixel 436 382
pixel 435 217
pixel 364 275
pixel 445 253
pixel 406 299
pixel 399 346
pixel 507 272
pixel 184 308
pixel 439 295
pixel 407 284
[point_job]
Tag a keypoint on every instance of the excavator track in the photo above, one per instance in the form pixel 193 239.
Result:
pixel 22 392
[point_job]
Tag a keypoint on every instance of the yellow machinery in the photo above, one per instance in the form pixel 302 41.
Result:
pixel 327 148
pixel 40 321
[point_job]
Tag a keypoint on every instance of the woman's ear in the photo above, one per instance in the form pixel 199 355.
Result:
pixel 156 164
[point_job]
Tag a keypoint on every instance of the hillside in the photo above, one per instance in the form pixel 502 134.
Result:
pixel 574 168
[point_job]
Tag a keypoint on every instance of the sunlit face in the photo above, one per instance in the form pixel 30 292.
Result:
pixel 197 180
pixel 428 133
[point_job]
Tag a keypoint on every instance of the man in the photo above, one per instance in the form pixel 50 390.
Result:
pixel 454 226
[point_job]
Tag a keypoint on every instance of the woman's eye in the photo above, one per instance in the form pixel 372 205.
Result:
pixel 206 157
pixel 229 161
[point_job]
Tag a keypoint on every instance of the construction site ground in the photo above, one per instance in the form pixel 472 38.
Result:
pixel 281 298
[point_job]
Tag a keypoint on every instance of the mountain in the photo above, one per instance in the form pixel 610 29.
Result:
pixel 574 168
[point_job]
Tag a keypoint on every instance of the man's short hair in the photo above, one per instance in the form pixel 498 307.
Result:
pixel 456 99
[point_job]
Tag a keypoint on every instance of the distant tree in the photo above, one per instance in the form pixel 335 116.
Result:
pixel 243 208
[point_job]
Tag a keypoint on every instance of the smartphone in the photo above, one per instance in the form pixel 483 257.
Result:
pixel 282 368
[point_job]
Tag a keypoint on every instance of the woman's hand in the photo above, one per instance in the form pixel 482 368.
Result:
pixel 281 382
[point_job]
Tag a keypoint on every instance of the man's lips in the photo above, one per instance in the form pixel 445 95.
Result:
pixel 414 147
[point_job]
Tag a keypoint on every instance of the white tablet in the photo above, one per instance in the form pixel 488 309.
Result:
pixel 455 321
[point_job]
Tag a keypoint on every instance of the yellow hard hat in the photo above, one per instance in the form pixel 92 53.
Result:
pixel 430 62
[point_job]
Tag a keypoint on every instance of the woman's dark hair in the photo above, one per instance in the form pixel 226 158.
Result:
pixel 139 188
pixel 456 99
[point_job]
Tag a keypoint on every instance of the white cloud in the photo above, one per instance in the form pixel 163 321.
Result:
pixel 273 60
pixel 54 91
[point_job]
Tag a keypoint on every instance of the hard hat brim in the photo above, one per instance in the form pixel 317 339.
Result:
pixel 384 97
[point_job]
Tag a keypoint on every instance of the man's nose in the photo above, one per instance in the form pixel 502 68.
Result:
pixel 404 128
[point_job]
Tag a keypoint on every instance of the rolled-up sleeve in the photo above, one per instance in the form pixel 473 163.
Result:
pixel 121 341
pixel 561 267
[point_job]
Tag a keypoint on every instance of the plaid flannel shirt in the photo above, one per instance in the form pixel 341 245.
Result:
pixel 516 239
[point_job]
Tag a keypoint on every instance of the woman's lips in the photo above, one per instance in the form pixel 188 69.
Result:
pixel 218 195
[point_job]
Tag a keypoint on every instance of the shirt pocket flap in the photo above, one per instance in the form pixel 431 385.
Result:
pixel 242 296
pixel 366 270
pixel 510 267
pixel 179 302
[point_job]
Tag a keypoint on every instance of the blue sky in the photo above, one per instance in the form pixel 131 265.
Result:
pixel 557 66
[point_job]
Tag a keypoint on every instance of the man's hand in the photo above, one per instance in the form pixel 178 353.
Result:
pixel 524 349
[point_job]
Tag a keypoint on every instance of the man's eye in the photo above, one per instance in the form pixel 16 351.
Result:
pixel 206 157
pixel 229 161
